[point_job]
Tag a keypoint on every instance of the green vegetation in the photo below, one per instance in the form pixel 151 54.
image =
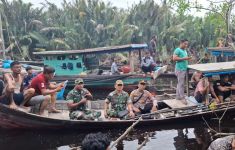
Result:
pixel 93 23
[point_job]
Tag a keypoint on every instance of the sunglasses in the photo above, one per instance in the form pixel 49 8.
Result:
pixel 143 83
pixel 120 85
pixel 80 83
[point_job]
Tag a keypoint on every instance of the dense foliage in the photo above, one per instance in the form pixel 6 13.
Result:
pixel 93 23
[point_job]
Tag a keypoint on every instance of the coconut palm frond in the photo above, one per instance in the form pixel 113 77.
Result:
pixel 37 36
pixel 36 22
pixel 60 43
pixel 50 29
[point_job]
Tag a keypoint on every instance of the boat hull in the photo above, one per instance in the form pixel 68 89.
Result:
pixel 18 120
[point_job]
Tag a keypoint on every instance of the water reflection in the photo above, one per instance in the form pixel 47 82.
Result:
pixel 197 138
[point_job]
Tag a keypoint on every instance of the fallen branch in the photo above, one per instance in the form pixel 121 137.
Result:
pixel 224 134
pixel 125 133
pixel 144 142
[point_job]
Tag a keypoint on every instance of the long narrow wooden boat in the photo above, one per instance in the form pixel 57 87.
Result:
pixel 15 119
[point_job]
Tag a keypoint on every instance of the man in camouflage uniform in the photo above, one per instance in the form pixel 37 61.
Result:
pixel 119 100
pixel 77 99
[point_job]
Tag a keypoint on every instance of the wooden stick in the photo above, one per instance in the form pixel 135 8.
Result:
pixel 224 134
pixel 125 133
pixel 144 142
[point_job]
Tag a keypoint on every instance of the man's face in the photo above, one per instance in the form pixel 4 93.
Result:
pixel 142 86
pixel 226 79
pixel 16 69
pixel 50 76
pixel 30 71
pixel 79 86
pixel 184 45
pixel 119 87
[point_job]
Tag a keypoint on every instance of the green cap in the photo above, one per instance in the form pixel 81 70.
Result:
pixel 79 80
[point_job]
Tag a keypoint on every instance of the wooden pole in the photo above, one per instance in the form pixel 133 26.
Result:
pixel 131 61
pixel 2 46
pixel 187 82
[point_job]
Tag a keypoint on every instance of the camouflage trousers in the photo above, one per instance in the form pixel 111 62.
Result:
pixel 118 114
pixel 84 115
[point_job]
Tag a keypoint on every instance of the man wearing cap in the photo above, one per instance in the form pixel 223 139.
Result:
pixel 119 101
pixel 77 100
pixel 143 101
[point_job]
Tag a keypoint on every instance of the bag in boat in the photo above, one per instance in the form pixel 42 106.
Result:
pixel 123 113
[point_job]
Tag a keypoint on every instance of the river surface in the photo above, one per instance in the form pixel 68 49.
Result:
pixel 194 137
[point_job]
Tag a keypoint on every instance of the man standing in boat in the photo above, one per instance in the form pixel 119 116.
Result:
pixel 45 91
pixel 13 91
pixel 121 106
pixel 77 103
pixel 181 58
pixel 143 101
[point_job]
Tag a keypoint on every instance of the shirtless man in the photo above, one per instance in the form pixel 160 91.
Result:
pixel 14 87
pixel 197 75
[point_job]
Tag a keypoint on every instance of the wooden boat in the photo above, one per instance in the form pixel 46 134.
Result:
pixel 72 64
pixel 178 113
pixel 221 54
pixel 15 119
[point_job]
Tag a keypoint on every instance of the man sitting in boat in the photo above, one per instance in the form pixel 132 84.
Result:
pixel 114 67
pixel 223 88
pixel 28 78
pixel 143 101
pixel 77 100
pixel 14 87
pixel 197 75
pixel 233 87
pixel 120 102
pixel 45 91
pixel 204 87
pixel 147 63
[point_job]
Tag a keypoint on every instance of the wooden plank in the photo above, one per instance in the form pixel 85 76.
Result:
pixel 121 48
pixel 227 49
pixel 214 67
pixel 173 103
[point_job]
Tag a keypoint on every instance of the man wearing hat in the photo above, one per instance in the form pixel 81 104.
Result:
pixel 119 101
pixel 143 101
pixel 77 99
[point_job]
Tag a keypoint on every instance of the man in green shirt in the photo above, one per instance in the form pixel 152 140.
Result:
pixel 181 58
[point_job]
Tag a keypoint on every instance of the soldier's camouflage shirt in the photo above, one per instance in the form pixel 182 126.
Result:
pixel 118 101
pixel 76 96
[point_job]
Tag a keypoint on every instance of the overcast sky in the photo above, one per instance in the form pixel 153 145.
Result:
pixel 117 3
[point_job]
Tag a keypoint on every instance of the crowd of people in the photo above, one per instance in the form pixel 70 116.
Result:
pixel 19 90
pixel 220 89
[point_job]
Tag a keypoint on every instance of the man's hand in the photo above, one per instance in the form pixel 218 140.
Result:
pixel 131 114
pixel 83 101
pixel 189 58
pixel 59 87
